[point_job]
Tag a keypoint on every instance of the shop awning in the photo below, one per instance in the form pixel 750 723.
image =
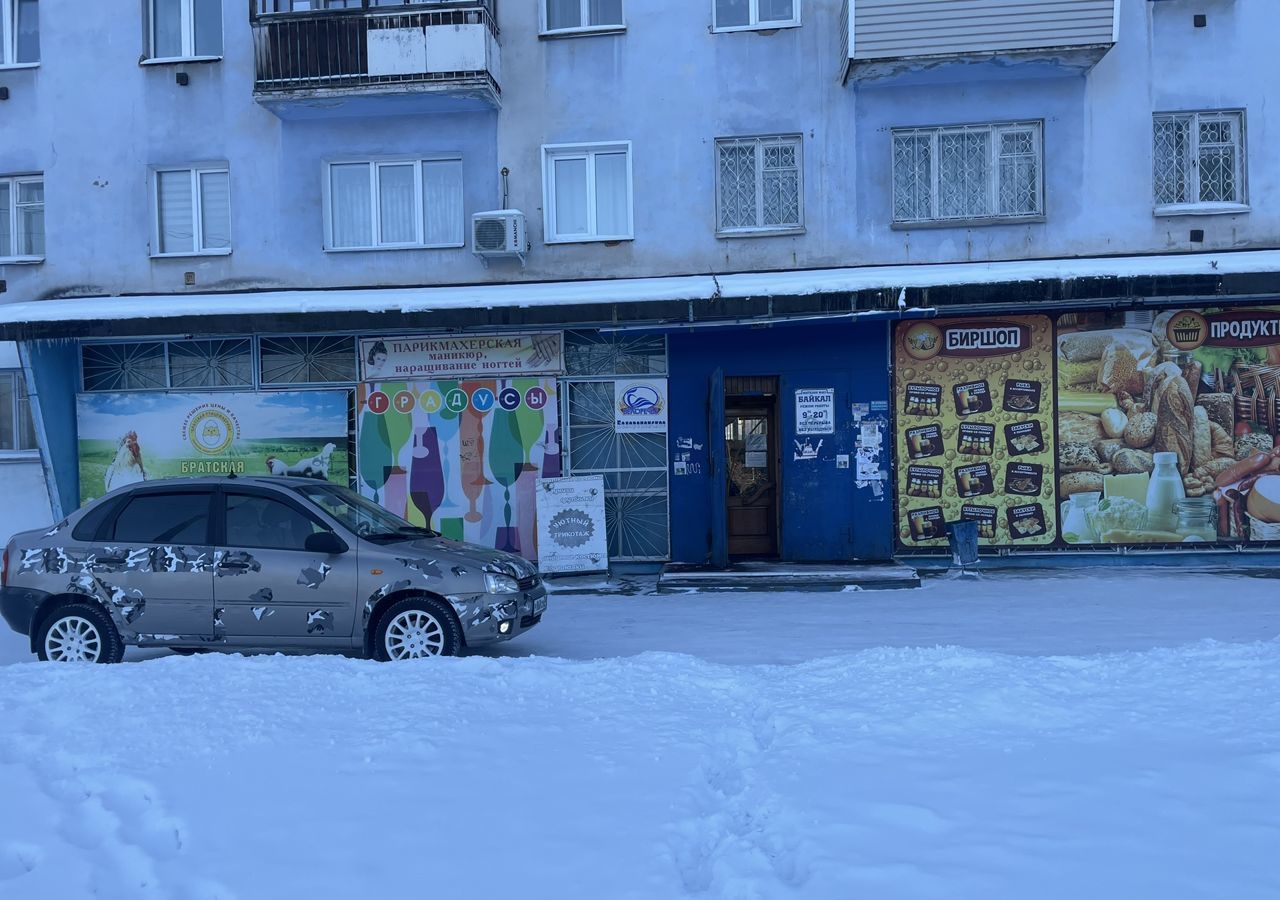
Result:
pixel 639 300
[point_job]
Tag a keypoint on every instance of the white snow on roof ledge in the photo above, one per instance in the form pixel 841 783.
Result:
pixel 633 290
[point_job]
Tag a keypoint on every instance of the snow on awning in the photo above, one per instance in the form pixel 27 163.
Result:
pixel 630 290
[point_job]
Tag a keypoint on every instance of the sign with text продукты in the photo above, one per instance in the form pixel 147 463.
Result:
pixel 571 525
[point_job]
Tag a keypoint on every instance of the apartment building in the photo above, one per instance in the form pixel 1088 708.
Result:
pixel 801 279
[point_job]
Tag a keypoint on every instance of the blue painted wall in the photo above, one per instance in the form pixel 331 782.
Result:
pixel 825 517
pixel 55 369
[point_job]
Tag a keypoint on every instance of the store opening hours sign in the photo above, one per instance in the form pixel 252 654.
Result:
pixel 815 411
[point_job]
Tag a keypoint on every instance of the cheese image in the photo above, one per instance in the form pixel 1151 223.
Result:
pixel 1132 486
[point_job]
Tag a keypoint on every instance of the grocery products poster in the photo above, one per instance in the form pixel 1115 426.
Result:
pixel 975 435
pixel 1167 426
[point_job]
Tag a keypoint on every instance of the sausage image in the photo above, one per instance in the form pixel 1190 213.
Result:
pixel 1243 469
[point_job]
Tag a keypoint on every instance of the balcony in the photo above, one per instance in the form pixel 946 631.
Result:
pixel 440 56
pixel 943 40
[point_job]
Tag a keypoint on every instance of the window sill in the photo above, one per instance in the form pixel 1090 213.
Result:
pixel 590 239
pixel 189 254
pixel 19 456
pixel 395 248
pixel 21 260
pixel 763 26
pixel 968 223
pixel 759 232
pixel 1201 209
pixel 178 60
pixel 5 67
pixel 582 32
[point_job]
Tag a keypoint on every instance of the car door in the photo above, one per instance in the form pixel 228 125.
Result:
pixel 157 561
pixel 266 584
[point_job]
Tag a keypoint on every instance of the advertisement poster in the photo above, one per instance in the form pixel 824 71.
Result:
pixel 1167 426
pixel 975 439
pixel 640 406
pixel 462 457
pixel 428 357
pixel 571 525
pixel 127 438
pixel 815 411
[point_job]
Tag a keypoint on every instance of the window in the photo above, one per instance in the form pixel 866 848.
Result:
pixel 394 204
pixel 1198 161
pixel 16 431
pixel 211 364
pixel 587 192
pixel 758 185
pixel 181 517
pixel 22 218
pixel 19 32
pixel 968 172
pixel 563 16
pixel 185 29
pixel 192 211
pixel 736 15
pixel 257 521
pixel 307 359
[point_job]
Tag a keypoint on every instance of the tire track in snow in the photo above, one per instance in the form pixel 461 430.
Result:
pixel 740 840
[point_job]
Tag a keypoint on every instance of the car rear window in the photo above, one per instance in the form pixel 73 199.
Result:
pixel 92 521
pixel 170 518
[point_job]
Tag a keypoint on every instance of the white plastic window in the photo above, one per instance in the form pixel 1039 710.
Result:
pixel 192 211
pixel 587 192
pixel 394 204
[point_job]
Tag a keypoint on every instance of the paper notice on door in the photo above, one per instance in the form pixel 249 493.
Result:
pixel 757 459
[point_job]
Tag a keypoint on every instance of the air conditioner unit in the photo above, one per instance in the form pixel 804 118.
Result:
pixel 499 233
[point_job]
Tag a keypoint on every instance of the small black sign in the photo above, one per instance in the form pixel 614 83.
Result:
pixel 1022 396
pixel 1026 521
pixel 927 524
pixel 924 441
pixel 976 439
pixel 972 397
pixel 975 480
pixel 1023 438
pixel 985 516
pixel 923 400
pixel 1023 478
pixel 924 481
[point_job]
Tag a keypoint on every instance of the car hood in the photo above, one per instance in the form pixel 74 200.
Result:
pixel 460 552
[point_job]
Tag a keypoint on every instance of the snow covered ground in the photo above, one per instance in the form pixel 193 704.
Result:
pixel 1089 735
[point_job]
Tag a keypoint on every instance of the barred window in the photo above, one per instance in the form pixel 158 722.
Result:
pixel 968 172
pixel 1198 158
pixel 759 184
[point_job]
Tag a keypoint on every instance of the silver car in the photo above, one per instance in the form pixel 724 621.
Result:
pixel 233 563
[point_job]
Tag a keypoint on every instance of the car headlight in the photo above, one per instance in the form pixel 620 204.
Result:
pixel 500 584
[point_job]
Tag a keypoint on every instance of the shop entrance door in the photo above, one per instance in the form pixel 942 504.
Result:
pixel 751 457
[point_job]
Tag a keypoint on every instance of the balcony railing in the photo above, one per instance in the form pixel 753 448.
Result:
pixel 380 46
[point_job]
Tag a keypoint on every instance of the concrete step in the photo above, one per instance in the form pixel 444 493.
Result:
pixel 766 576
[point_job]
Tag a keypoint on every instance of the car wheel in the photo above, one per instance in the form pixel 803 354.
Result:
pixel 79 632
pixel 417 628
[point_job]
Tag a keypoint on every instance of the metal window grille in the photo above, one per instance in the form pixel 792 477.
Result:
pixel 614 353
pixel 968 172
pixel 211 364
pixel 634 467
pixel 759 184
pixel 1198 158
pixel 307 359
pixel 124 367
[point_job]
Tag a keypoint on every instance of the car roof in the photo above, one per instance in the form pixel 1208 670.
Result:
pixel 224 480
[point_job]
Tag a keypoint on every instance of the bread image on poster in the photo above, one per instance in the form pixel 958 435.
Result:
pixel 976 395
pixel 1167 426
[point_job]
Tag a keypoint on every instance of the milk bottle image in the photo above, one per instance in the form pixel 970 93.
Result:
pixel 1163 491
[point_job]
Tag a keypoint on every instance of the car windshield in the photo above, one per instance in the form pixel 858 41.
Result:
pixel 361 515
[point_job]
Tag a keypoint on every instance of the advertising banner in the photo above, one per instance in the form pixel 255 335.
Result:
pixel 127 438
pixel 571 525
pixel 640 406
pixel 462 457
pixel 461 356
pixel 1167 426
pixel 815 411
pixel 975 429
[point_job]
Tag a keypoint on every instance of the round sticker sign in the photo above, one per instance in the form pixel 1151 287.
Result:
pixel 379 403
pixel 535 398
pixel 509 399
pixel 482 399
pixel 456 400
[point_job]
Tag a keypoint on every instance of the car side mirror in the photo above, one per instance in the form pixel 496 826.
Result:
pixel 325 542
